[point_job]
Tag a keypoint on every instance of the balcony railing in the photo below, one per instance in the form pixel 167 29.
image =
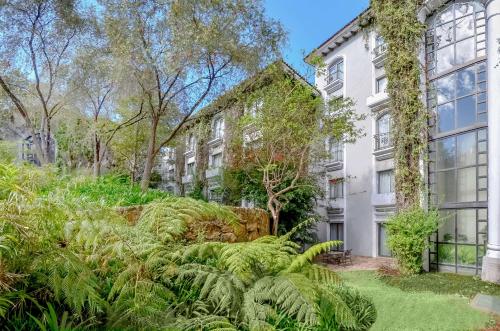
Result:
pixel 380 50
pixel 383 141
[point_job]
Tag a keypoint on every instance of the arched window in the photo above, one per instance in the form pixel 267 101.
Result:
pixel 383 137
pixel 458 169
pixel 457 36
pixel 218 127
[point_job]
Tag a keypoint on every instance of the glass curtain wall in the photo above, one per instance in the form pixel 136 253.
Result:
pixel 458 160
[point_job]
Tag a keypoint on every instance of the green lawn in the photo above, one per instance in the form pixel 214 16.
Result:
pixel 403 310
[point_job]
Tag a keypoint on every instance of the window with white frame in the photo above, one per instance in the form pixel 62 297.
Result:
pixel 191 143
pixel 190 168
pixel 254 108
pixel 385 181
pixel 336 71
pixel 336 188
pixel 218 128
pixel 336 150
pixel 216 161
pixel 381 85
pixel 383 137
pixel 380 46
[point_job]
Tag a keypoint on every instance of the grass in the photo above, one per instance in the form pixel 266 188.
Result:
pixel 404 311
pixel 443 283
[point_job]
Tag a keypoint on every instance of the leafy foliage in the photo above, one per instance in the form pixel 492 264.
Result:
pixel 398 24
pixel 408 234
pixel 299 207
pixel 112 190
pixel 79 256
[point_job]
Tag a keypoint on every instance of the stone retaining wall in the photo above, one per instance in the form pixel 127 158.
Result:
pixel 254 223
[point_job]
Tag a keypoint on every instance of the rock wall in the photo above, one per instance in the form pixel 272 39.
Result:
pixel 254 223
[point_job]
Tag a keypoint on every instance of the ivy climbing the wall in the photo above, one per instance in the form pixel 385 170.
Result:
pixel 398 24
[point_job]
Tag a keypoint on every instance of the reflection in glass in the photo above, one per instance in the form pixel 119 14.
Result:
pixel 466 111
pixel 466 226
pixel 465 27
pixel 444 59
pixel 446 153
pixel 466 185
pixel 446 253
pixel 466 149
pixel 465 51
pixel 466 255
pixel 466 82
pixel 444 34
pixel 462 9
pixel 445 88
pixel 446 117
pixel 446 185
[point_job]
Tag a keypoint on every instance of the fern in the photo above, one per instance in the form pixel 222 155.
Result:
pixel 305 258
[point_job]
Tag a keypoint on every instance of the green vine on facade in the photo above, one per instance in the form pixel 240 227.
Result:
pixel 398 24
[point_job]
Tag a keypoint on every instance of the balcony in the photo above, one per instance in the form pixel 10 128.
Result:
pixel 379 55
pixel 333 84
pixel 333 165
pixel 213 172
pixel 187 179
pixel 384 146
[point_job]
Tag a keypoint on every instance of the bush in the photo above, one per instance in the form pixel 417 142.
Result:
pixel 113 190
pixel 408 234
pixel 74 254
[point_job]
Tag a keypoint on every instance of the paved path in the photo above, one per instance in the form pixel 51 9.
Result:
pixel 364 263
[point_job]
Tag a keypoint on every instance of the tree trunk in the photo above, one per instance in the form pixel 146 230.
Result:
pixel 150 157
pixel 275 214
pixel 97 156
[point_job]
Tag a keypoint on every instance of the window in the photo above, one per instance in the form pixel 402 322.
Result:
pixel 380 46
pixel 383 249
pixel 190 168
pixel 215 194
pixel 216 161
pixel 336 149
pixel 337 233
pixel 254 108
pixel 191 143
pixel 218 128
pixel 383 138
pixel 458 100
pixel 458 171
pixel 336 188
pixel 457 35
pixel 458 167
pixel 336 71
pixel 385 181
pixel 381 85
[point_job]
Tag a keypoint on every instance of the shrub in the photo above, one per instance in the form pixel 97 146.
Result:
pixel 77 255
pixel 113 190
pixel 408 234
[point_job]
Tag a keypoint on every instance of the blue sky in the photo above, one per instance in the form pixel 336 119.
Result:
pixel 310 22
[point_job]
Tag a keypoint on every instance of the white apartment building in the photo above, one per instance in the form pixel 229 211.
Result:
pixel 460 54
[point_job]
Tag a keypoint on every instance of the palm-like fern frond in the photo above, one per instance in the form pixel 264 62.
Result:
pixel 305 258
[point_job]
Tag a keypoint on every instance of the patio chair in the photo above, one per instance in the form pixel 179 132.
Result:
pixel 347 256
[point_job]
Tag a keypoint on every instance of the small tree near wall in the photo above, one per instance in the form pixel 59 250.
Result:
pixel 284 129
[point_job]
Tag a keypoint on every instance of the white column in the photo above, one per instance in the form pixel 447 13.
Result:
pixel 491 262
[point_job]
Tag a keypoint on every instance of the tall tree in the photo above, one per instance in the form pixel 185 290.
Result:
pixel 95 93
pixel 284 129
pixel 36 43
pixel 180 53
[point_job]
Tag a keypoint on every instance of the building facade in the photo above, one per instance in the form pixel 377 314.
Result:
pixel 460 84
pixel 194 164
